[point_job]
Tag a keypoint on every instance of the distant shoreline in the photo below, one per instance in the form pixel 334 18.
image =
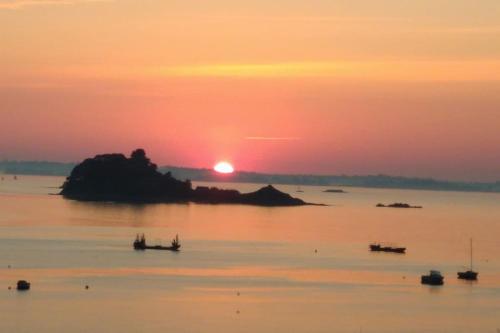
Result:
pixel 370 181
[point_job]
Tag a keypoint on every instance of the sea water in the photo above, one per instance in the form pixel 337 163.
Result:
pixel 247 268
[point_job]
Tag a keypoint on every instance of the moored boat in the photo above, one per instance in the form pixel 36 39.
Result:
pixel 470 274
pixel 377 247
pixel 434 278
pixel 140 244
pixel 467 275
pixel 23 285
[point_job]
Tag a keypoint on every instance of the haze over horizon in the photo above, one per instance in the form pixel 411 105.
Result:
pixel 323 87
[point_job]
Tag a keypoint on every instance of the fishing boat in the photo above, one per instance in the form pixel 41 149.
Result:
pixel 434 278
pixel 23 285
pixel 377 247
pixel 470 274
pixel 140 244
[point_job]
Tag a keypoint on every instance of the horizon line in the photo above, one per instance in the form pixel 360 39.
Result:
pixel 264 173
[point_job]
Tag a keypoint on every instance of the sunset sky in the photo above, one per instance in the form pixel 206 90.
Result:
pixel 320 86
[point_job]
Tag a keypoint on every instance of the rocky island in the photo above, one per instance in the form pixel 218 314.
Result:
pixel 135 179
pixel 335 190
pixel 398 205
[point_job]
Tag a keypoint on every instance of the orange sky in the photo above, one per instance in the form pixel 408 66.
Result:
pixel 322 86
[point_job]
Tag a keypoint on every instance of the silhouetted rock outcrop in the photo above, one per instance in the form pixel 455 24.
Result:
pixel 114 177
pixel 334 190
pixel 398 205
pixel 269 196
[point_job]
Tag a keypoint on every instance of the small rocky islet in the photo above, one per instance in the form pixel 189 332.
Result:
pixel 334 190
pixel 135 179
pixel 397 205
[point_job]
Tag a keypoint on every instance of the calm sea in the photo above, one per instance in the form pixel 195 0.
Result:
pixel 244 268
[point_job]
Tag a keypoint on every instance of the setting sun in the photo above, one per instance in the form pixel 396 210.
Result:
pixel 224 167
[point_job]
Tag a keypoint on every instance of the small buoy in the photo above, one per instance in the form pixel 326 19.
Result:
pixel 87 287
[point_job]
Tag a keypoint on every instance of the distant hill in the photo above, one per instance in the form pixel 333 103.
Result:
pixel 43 168
pixel 372 181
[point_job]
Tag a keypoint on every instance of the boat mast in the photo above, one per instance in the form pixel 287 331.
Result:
pixel 471 254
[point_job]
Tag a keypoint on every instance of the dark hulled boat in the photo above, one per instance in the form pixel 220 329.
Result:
pixel 434 279
pixel 140 244
pixel 23 285
pixel 467 275
pixel 379 248
pixel 470 274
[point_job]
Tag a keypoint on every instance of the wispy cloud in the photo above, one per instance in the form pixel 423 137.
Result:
pixel 492 29
pixel 337 18
pixel 273 138
pixel 257 70
pixel 303 18
pixel 18 4
pixel 366 70
pixel 407 71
